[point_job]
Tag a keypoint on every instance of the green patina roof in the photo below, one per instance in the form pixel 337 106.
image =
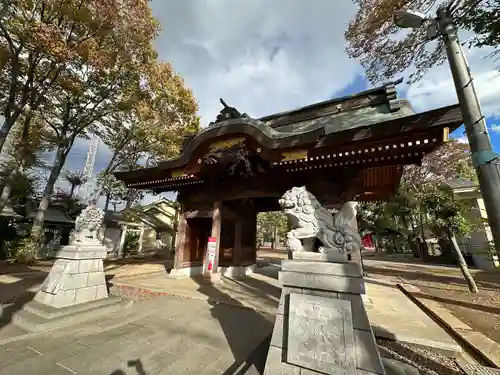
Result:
pixel 352 119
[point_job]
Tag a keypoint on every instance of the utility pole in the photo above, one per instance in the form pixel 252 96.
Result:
pixel 485 160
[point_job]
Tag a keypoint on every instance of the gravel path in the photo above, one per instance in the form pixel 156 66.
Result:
pixel 427 362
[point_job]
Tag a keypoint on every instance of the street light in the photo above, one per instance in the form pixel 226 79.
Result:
pixel 409 19
pixel 485 160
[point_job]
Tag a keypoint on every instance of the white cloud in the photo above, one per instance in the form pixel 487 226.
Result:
pixel 264 57
pixel 261 57
pixel 437 89
pixel 462 140
pixel 495 128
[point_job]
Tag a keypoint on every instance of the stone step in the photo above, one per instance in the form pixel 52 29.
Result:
pixel 37 317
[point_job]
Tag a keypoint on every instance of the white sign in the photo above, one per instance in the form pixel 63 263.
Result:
pixel 211 247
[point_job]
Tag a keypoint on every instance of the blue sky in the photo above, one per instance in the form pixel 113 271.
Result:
pixel 360 83
pixel 267 57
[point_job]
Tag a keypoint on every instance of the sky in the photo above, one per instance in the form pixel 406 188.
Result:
pixel 265 57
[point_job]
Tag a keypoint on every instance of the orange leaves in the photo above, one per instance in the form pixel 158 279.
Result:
pixel 385 50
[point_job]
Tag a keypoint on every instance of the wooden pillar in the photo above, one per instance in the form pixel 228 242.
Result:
pixel 238 244
pixel 180 240
pixel 216 231
pixel 254 236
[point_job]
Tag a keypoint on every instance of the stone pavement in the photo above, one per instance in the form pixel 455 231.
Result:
pixel 394 316
pixel 391 313
pixel 171 335
pixel 166 335
pixel 256 292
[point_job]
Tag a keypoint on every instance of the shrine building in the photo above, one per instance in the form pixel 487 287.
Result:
pixel 349 148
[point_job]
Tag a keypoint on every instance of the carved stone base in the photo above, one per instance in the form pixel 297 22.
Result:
pixel 76 277
pixel 321 324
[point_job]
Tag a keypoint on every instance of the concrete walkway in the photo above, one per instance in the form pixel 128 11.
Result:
pixel 163 336
pixel 391 313
pixel 212 329
pixel 394 316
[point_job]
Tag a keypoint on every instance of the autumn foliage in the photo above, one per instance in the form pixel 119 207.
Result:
pixel 75 68
pixel 385 50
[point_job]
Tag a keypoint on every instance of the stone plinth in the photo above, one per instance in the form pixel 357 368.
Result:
pixel 321 326
pixel 74 291
pixel 76 277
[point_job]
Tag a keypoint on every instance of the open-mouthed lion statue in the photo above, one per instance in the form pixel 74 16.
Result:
pixel 312 221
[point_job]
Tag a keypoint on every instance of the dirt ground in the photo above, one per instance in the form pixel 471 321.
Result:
pixel 447 286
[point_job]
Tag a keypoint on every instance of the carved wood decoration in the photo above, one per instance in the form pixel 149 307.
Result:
pixel 235 161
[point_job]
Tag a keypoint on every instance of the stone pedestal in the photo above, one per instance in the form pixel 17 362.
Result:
pixel 77 276
pixel 321 326
pixel 74 291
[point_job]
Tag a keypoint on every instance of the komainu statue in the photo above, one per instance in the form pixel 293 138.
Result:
pixel 87 226
pixel 313 223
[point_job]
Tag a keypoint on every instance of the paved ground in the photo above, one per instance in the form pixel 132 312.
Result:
pixel 447 286
pixel 388 309
pixel 167 335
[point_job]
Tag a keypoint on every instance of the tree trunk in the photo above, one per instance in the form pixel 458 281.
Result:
pixel 37 228
pixel 7 189
pixel 106 204
pixel 273 239
pixel 72 191
pixel 463 264
pixel 4 131
pixel 128 203
pixel 21 160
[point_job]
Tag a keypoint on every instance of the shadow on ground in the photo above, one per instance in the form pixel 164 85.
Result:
pixel 258 329
pixel 14 295
pixel 483 278
pixel 137 364
pixel 469 305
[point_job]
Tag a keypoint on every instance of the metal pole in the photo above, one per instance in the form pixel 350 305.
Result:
pixel 485 160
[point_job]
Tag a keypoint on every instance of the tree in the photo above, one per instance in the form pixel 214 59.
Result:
pixel 449 219
pixel 151 131
pixel 111 188
pixel 450 160
pixel 22 154
pixel 74 179
pixel 271 227
pixel 373 38
pixel 103 78
pixel 39 40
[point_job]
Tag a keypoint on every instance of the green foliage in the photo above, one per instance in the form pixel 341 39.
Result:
pixel 422 203
pixel 20 247
pixel 449 216
pixel 74 179
pixel 131 242
pixel 116 190
pixel 271 227
pixel 24 186
pixel 481 17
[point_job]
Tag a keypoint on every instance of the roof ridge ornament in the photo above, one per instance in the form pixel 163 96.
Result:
pixel 392 95
pixel 228 113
